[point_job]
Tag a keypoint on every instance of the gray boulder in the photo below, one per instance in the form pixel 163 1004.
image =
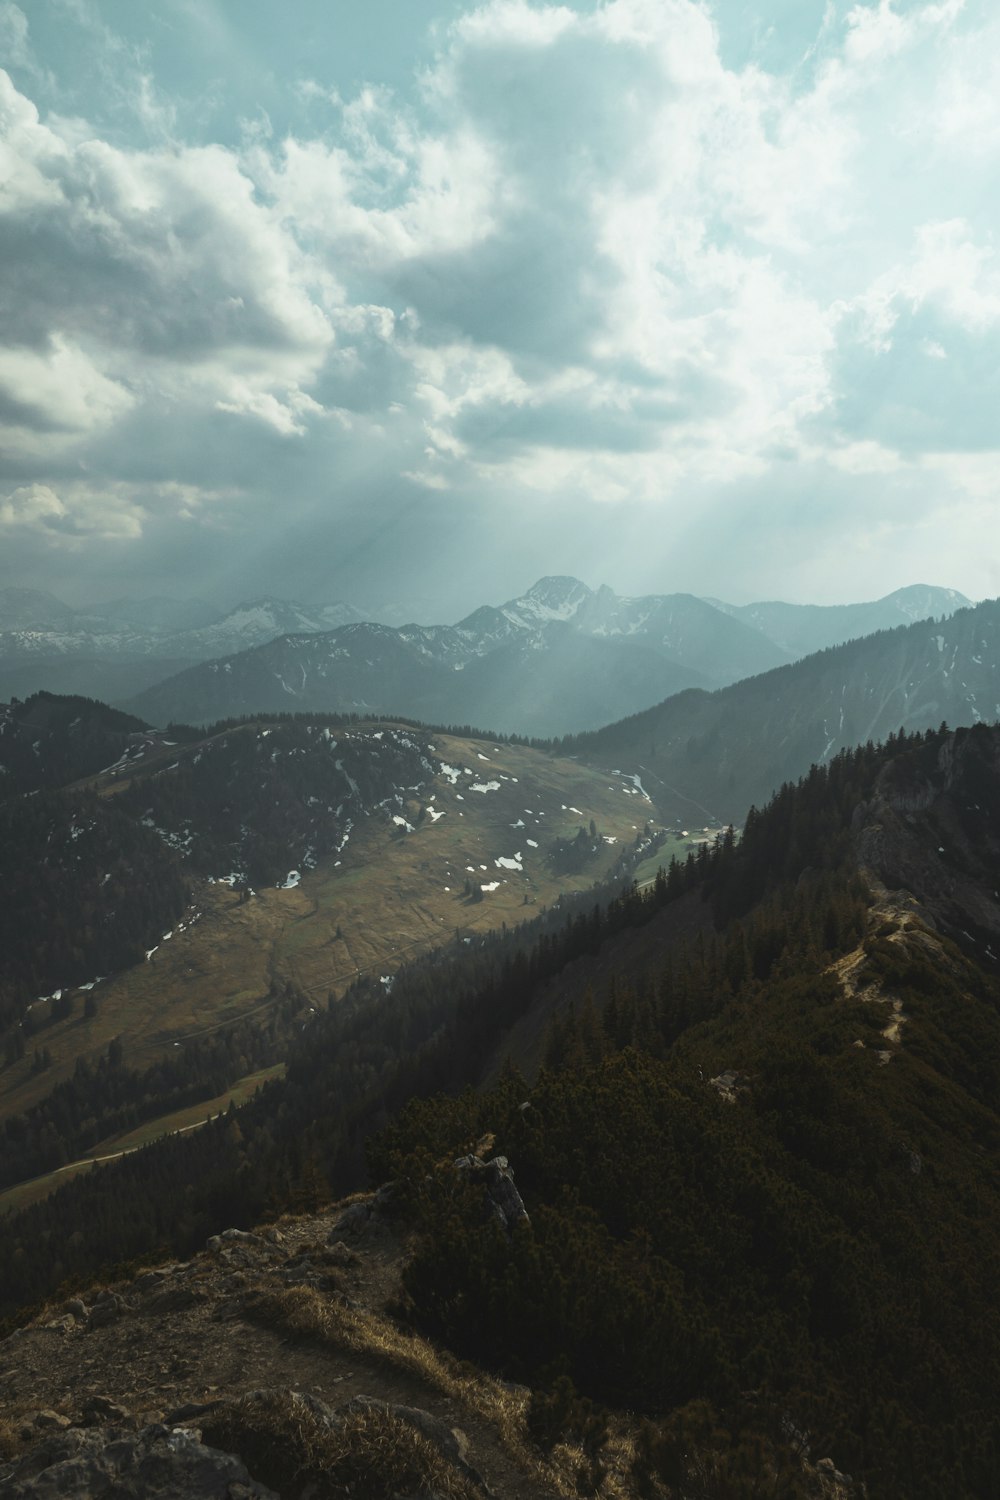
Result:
pixel 155 1464
pixel 505 1202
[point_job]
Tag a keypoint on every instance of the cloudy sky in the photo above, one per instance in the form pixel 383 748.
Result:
pixel 419 299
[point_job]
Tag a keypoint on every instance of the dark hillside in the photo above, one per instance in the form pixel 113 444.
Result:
pixel 733 748
pixel 761 1164
pixel 49 741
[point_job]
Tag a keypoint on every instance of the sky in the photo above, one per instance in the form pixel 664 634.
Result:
pixel 411 303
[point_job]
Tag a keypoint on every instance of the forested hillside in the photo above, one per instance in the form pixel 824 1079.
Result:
pixel 764 1159
pixel 724 751
pixel 49 741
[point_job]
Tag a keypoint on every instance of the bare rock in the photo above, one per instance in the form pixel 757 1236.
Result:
pixel 730 1084
pixel 505 1202
pixel 230 1237
pixel 98 1409
pixel 342 1255
pixel 173 1298
pixel 353 1221
pixel 107 1309
pixel 154 1464
pixel 148 1281
pixel 190 1412
pixel 65 1324
pixel 49 1421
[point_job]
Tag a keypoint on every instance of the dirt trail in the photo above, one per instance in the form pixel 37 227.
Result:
pixel 894 917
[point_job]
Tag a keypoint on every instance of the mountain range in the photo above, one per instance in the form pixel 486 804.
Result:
pixel 558 659
pixel 115 649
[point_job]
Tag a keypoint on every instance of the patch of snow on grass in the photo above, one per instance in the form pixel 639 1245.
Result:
pixel 291 881
pixel 532 843
pixel 493 885
pixel 512 863
pixel 485 786
pixel 434 815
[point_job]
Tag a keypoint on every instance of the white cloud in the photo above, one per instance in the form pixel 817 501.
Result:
pixel 78 515
pixel 32 506
pixel 49 397
pixel 582 255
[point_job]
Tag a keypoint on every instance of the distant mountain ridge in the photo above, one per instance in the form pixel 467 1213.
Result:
pixel 33 623
pixel 720 752
pixel 113 650
pixel 560 658
pixel 801 629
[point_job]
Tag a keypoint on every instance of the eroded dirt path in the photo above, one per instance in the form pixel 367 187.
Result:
pixel 894 918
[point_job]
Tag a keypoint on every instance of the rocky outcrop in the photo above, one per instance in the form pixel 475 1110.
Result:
pixel 504 1202
pixel 156 1463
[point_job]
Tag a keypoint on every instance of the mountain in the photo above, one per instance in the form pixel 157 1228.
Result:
pixel 117 649
pixel 36 625
pixel 558 657
pixel 157 613
pixel 739 1235
pixel 801 629
pixel 33 609
pixel 257 621
pixel 567 657
pixel 719 752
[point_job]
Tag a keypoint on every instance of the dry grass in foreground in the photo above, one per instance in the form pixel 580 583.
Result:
pixel 286 1441
pixel 308 1314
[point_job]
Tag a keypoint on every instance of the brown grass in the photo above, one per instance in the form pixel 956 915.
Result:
pixel 309 1314
pixel 10 1442
pixel 287 1444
